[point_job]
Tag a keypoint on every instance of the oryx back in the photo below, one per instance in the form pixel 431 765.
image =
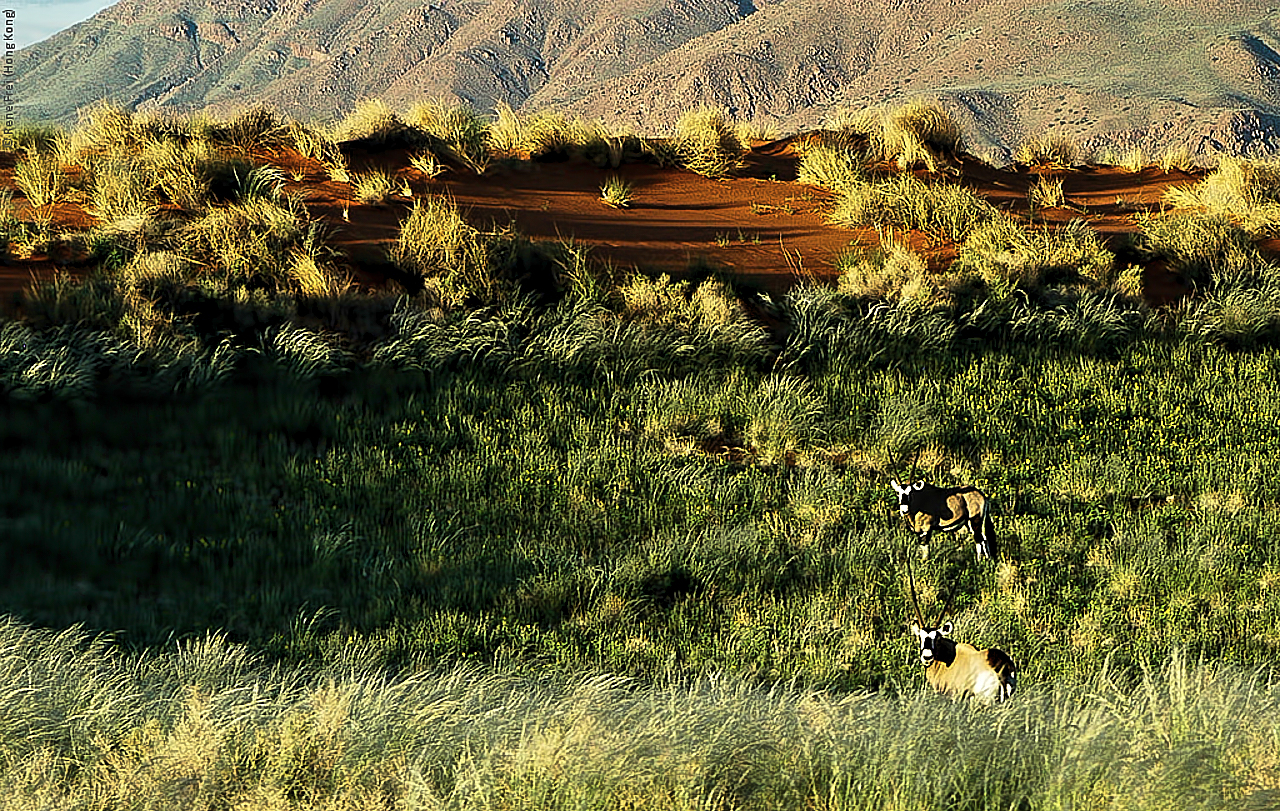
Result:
pixel 929 507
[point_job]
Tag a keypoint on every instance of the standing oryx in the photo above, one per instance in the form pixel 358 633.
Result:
pixel 958 668
pixel 928 507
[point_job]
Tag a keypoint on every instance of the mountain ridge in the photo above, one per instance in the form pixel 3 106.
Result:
pixel 1202 75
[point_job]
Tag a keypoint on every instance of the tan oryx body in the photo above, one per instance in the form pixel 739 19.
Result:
pixel 958 668
pixel 928 508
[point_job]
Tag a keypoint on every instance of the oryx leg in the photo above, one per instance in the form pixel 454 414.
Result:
pixel 982 545
pixel 923 538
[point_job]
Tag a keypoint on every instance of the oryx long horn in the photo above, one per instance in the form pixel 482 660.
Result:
pixel 915 603
pixel 945 611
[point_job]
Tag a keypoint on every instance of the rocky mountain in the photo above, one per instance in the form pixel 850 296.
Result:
pixel 1120 73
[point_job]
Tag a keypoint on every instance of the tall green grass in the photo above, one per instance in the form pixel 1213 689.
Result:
pixel 206 723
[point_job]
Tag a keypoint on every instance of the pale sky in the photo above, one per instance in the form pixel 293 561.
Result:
pixel 39 19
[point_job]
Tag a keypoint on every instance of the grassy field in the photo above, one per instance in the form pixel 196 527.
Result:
pixel 631 548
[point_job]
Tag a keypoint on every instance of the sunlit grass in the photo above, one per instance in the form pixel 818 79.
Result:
pixel 208 719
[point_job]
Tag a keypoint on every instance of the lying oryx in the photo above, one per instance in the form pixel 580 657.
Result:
pixel 957 668
pixel 947 508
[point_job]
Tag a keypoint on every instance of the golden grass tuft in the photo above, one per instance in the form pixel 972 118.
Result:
pixel 919 132
pixel 616 192
pixel 1054 149
pixel 1246 192
pixel 39 175
pixel 372 188
pixel 891 272
pixel 371 120
pixel 454 131
pixel 438 245
pixel 707 142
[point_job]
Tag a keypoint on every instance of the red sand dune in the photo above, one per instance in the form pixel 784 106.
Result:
pixel 761 227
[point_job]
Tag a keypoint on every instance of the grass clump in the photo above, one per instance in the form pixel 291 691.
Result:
pixel 1238 317
pixel 427 163
pixel 1051 149
pixel 437 244
pixel 919 132
pixel 892 271
pixel 548 134
pixel 39 176
pixel 942 209
pixel 373 121
pixel 769 419
pixel 321 147
pixel 1207 250
pixel 119 192
pixel 194 175
pixel 454 131
pixel 1009 257
pixel 616 192
pixel 1046 192
pixel 706 142
pixel 372 188
pixel 833 166
pixel 250 129
pixel 261 244
pixel 1246 192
